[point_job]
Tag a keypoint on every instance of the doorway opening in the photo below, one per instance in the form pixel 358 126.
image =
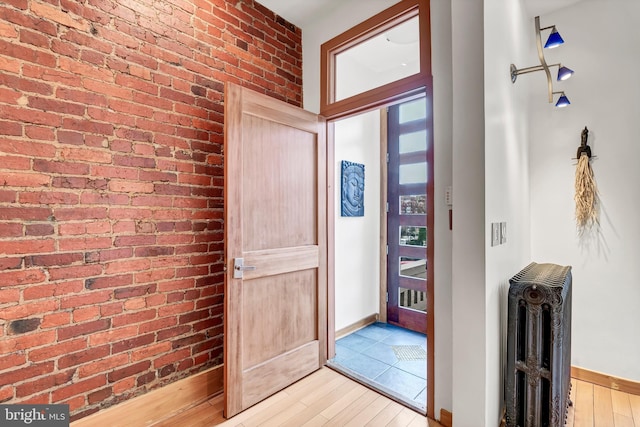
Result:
pixel 381 258
pixel 395 44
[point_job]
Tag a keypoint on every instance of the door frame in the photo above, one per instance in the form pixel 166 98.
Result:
pixel 377 98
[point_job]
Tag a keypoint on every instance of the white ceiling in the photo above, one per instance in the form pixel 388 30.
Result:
pixel 299 12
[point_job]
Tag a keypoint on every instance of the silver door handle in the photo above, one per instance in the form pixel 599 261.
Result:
pixel 239 268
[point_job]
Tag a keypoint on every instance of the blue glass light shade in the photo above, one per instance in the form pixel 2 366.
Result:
pixel 554 39
pixel 564 73
pixel 563 101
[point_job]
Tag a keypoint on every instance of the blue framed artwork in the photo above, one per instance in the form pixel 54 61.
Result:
pixel 352 201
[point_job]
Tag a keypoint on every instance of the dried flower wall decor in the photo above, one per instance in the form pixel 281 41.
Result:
pixel 586 197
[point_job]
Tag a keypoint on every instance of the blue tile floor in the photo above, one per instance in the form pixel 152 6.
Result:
pixel 388 358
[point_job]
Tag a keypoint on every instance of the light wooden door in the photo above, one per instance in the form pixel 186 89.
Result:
pixel 275 222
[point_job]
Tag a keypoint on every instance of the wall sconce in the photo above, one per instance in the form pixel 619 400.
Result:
pixel 564 73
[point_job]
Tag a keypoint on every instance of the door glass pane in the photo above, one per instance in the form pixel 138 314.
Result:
pixel 413 110
pixel 413 173
pixel 413 204
pixel 415 268
pixel 412 299
pixel 414 141
pixel 413 236
pixel 385 58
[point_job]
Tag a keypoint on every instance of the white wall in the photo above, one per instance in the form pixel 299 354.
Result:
pixel 357 244
pixel 442 106
pixel 468 251
pixel 601 45
pixel 508 38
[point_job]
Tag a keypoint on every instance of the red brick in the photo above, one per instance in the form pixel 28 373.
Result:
pixel 131 318
pixel 122 386
pixel 49 197
pixel 27 341
pixel 108 281
pixel 157 325
pixel 28 310
pixel 48 382
pixel 6 394
pixel 54 260
pixel 55 320
pixel 84 243
pixel 129 371
pixel 9 295
pixel 103 365
pixel 85 298
pixel 85 313
pixel 82 357
pixel 22 374
pixel 25 214
pixel 78 388
pixel 18 359
pixel 53 351
pixel 172 357
pixel 112 335
pixel 83 329
pixel 100 395
pixel 10 230
pixel 74 272
pixel 173 332
pixel 150 351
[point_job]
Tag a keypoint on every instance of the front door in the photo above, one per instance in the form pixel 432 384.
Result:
pixel 408 201
pixel 275 246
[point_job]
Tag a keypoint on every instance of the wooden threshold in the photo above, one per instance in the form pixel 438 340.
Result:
pixel 605 380
pixel 159 404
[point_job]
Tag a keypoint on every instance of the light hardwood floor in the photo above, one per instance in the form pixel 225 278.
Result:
pixel 327 398
pixel 324 398
pixel 597 406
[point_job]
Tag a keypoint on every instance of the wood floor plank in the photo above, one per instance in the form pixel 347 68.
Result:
pixel 403 419
pixel 316 421
pixel 323 389
pixel 354 409
pixel 621 403
pixel 369 413
pixel 321 404
pixel 602 407
pixel 386 415
pixel 263 409
pixel 343 402
pixel 634 401
pixel 623 420
pixel 584 405
pixel 283 416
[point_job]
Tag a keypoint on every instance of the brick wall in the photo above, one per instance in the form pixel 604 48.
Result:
pixel 111 198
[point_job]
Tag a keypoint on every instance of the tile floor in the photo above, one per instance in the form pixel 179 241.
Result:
pixel 386 357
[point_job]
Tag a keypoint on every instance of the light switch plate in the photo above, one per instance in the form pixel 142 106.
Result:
pixel 495 233
pixel 503 233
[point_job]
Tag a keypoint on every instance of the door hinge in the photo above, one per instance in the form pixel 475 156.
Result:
pixel 387 250
pixel 387 157
pixel 387 207
pixel 387 296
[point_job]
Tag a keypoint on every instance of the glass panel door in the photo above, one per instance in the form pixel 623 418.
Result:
pixel 407 237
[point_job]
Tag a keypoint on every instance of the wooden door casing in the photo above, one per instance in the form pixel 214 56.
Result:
pixel 275 219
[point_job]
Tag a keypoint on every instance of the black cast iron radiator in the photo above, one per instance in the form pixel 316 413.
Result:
pixel 538 378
